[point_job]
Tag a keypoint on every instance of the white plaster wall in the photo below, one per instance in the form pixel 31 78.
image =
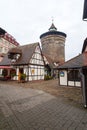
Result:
pixel 1 71
pixel 63 80
pixel 71 83
pixel 38 73
pixel 78 84
pixel 38 59
pixel 42 77
pixel 15 78
pixel 26 72
pixel 42 73
pixel 30 78
pixel 17 71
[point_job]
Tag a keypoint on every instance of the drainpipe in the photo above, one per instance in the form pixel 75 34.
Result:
pixel 83 88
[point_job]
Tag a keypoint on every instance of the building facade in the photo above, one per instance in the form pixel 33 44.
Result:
pixel 6 42
pixel 27 59
pixel 70 72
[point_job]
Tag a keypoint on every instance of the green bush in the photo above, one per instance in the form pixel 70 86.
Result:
pixel 47 77
pixel 23 76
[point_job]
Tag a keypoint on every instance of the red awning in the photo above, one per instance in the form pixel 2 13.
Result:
pixel 5 67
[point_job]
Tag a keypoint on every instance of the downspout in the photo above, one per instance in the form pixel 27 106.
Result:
pixel 67 77
pixel 83 87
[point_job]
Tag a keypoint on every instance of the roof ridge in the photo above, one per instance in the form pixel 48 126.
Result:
pixel 70 60
pixel 29 44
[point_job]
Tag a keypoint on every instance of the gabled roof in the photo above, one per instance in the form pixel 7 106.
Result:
pixel 76 62
pixel 50 61
pixel 53 31
pixel 27 52
pixel 15 50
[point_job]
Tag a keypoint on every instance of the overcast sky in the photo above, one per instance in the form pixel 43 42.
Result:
pixel 26 20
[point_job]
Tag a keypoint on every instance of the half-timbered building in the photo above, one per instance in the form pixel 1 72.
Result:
pixel 26 59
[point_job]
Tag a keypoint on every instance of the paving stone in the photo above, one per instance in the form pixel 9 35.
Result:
pixel 29 109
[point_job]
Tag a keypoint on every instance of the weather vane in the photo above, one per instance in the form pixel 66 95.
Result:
pixel 52 19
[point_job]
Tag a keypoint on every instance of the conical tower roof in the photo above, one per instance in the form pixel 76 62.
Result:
pixel 52 27
pixel 53 31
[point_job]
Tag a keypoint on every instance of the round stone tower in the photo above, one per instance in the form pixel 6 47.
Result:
pixel 53 44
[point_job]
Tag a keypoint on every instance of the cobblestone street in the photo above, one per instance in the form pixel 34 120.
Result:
pixel 41 106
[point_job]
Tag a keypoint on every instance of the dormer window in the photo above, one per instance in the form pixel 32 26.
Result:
pixel 14 54
pixel 56 63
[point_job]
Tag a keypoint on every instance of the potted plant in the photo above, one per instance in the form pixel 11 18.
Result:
pixel 22 77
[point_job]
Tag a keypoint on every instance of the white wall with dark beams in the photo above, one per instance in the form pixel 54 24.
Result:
pixel 35 69
pixel 66 78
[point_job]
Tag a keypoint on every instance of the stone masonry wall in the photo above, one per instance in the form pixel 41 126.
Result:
pixel 54 47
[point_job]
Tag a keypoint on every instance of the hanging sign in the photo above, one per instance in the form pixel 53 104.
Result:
pixel 61 74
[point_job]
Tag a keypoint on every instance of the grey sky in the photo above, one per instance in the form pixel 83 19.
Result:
pixel 26 20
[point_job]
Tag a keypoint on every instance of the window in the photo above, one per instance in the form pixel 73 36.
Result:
pixel 73 75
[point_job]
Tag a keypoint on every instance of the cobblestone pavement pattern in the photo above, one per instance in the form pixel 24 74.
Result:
pixel 29 109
